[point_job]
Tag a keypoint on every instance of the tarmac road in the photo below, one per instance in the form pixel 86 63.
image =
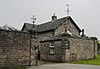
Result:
pixel 65 66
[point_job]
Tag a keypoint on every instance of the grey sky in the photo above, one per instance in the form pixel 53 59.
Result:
pixel 86 13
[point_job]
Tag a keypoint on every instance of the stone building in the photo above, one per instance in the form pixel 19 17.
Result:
pixel 57 40
pixel 60 40
pixel 67 48
pixel 54 27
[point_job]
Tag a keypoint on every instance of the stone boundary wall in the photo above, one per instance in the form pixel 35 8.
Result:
pixel 14 48
pixel 69 49
pixel 82 48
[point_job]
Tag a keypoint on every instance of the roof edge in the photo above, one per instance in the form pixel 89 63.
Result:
pixel 74 23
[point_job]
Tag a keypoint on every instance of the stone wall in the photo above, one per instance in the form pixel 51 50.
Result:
pixel 34 50
pixel 45 52
pixel 69 49
pixel 73 28
pixel 44 35
pixel 60 30
pixel 83 48
pixel 70 26
pixel 14 48
pixel 98 48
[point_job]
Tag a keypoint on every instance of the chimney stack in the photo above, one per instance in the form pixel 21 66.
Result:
pixel 83 35
pixel 54 17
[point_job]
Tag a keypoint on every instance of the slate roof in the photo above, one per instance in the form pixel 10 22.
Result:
pixel 27 25
pixel 53 38
pixel 57 37
pixel 51 25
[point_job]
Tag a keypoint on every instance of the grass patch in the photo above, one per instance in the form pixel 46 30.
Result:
pixel 20 67
pixel 91 62
pixel 12 67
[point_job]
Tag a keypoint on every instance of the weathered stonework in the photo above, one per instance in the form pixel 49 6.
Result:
pixel 34 50
pixel 68 46
pixel 70 26
pixel 69 49
pixel 45 35
pixel 83 48
pixel 15 48
pixel 44 51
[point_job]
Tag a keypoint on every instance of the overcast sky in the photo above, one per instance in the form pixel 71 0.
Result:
pixel 86 13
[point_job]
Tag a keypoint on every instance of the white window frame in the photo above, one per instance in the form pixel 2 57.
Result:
pixel 51 49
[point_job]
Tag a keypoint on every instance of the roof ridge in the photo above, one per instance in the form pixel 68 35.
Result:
pixel 54 21
pixel 27 23
pixel 52 25
pixel 47 22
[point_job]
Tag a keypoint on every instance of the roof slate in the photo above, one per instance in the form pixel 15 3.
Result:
pixel 57 37
pixel 51 25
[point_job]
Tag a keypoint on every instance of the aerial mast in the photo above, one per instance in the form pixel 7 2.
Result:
pixel 67 9
pixel 33 20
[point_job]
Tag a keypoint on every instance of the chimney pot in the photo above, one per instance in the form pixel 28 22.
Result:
pixel 54 17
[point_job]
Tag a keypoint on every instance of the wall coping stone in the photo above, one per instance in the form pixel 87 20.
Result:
pixel 14 31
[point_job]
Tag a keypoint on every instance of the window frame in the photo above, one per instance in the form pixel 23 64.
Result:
pixel 51 48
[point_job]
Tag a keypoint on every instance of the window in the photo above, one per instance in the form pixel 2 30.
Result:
pixel 51 48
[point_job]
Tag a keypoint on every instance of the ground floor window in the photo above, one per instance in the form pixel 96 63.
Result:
pixel 51 48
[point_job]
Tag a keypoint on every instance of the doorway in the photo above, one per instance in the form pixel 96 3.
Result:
pixel 38 55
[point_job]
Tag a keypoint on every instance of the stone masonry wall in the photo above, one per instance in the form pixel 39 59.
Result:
pixel 14 48
pixel 82 48
pixel 69 49
pixel 45 52
pixel 73 28
pixel 34 50
pixel 70 26
pixel 44 35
